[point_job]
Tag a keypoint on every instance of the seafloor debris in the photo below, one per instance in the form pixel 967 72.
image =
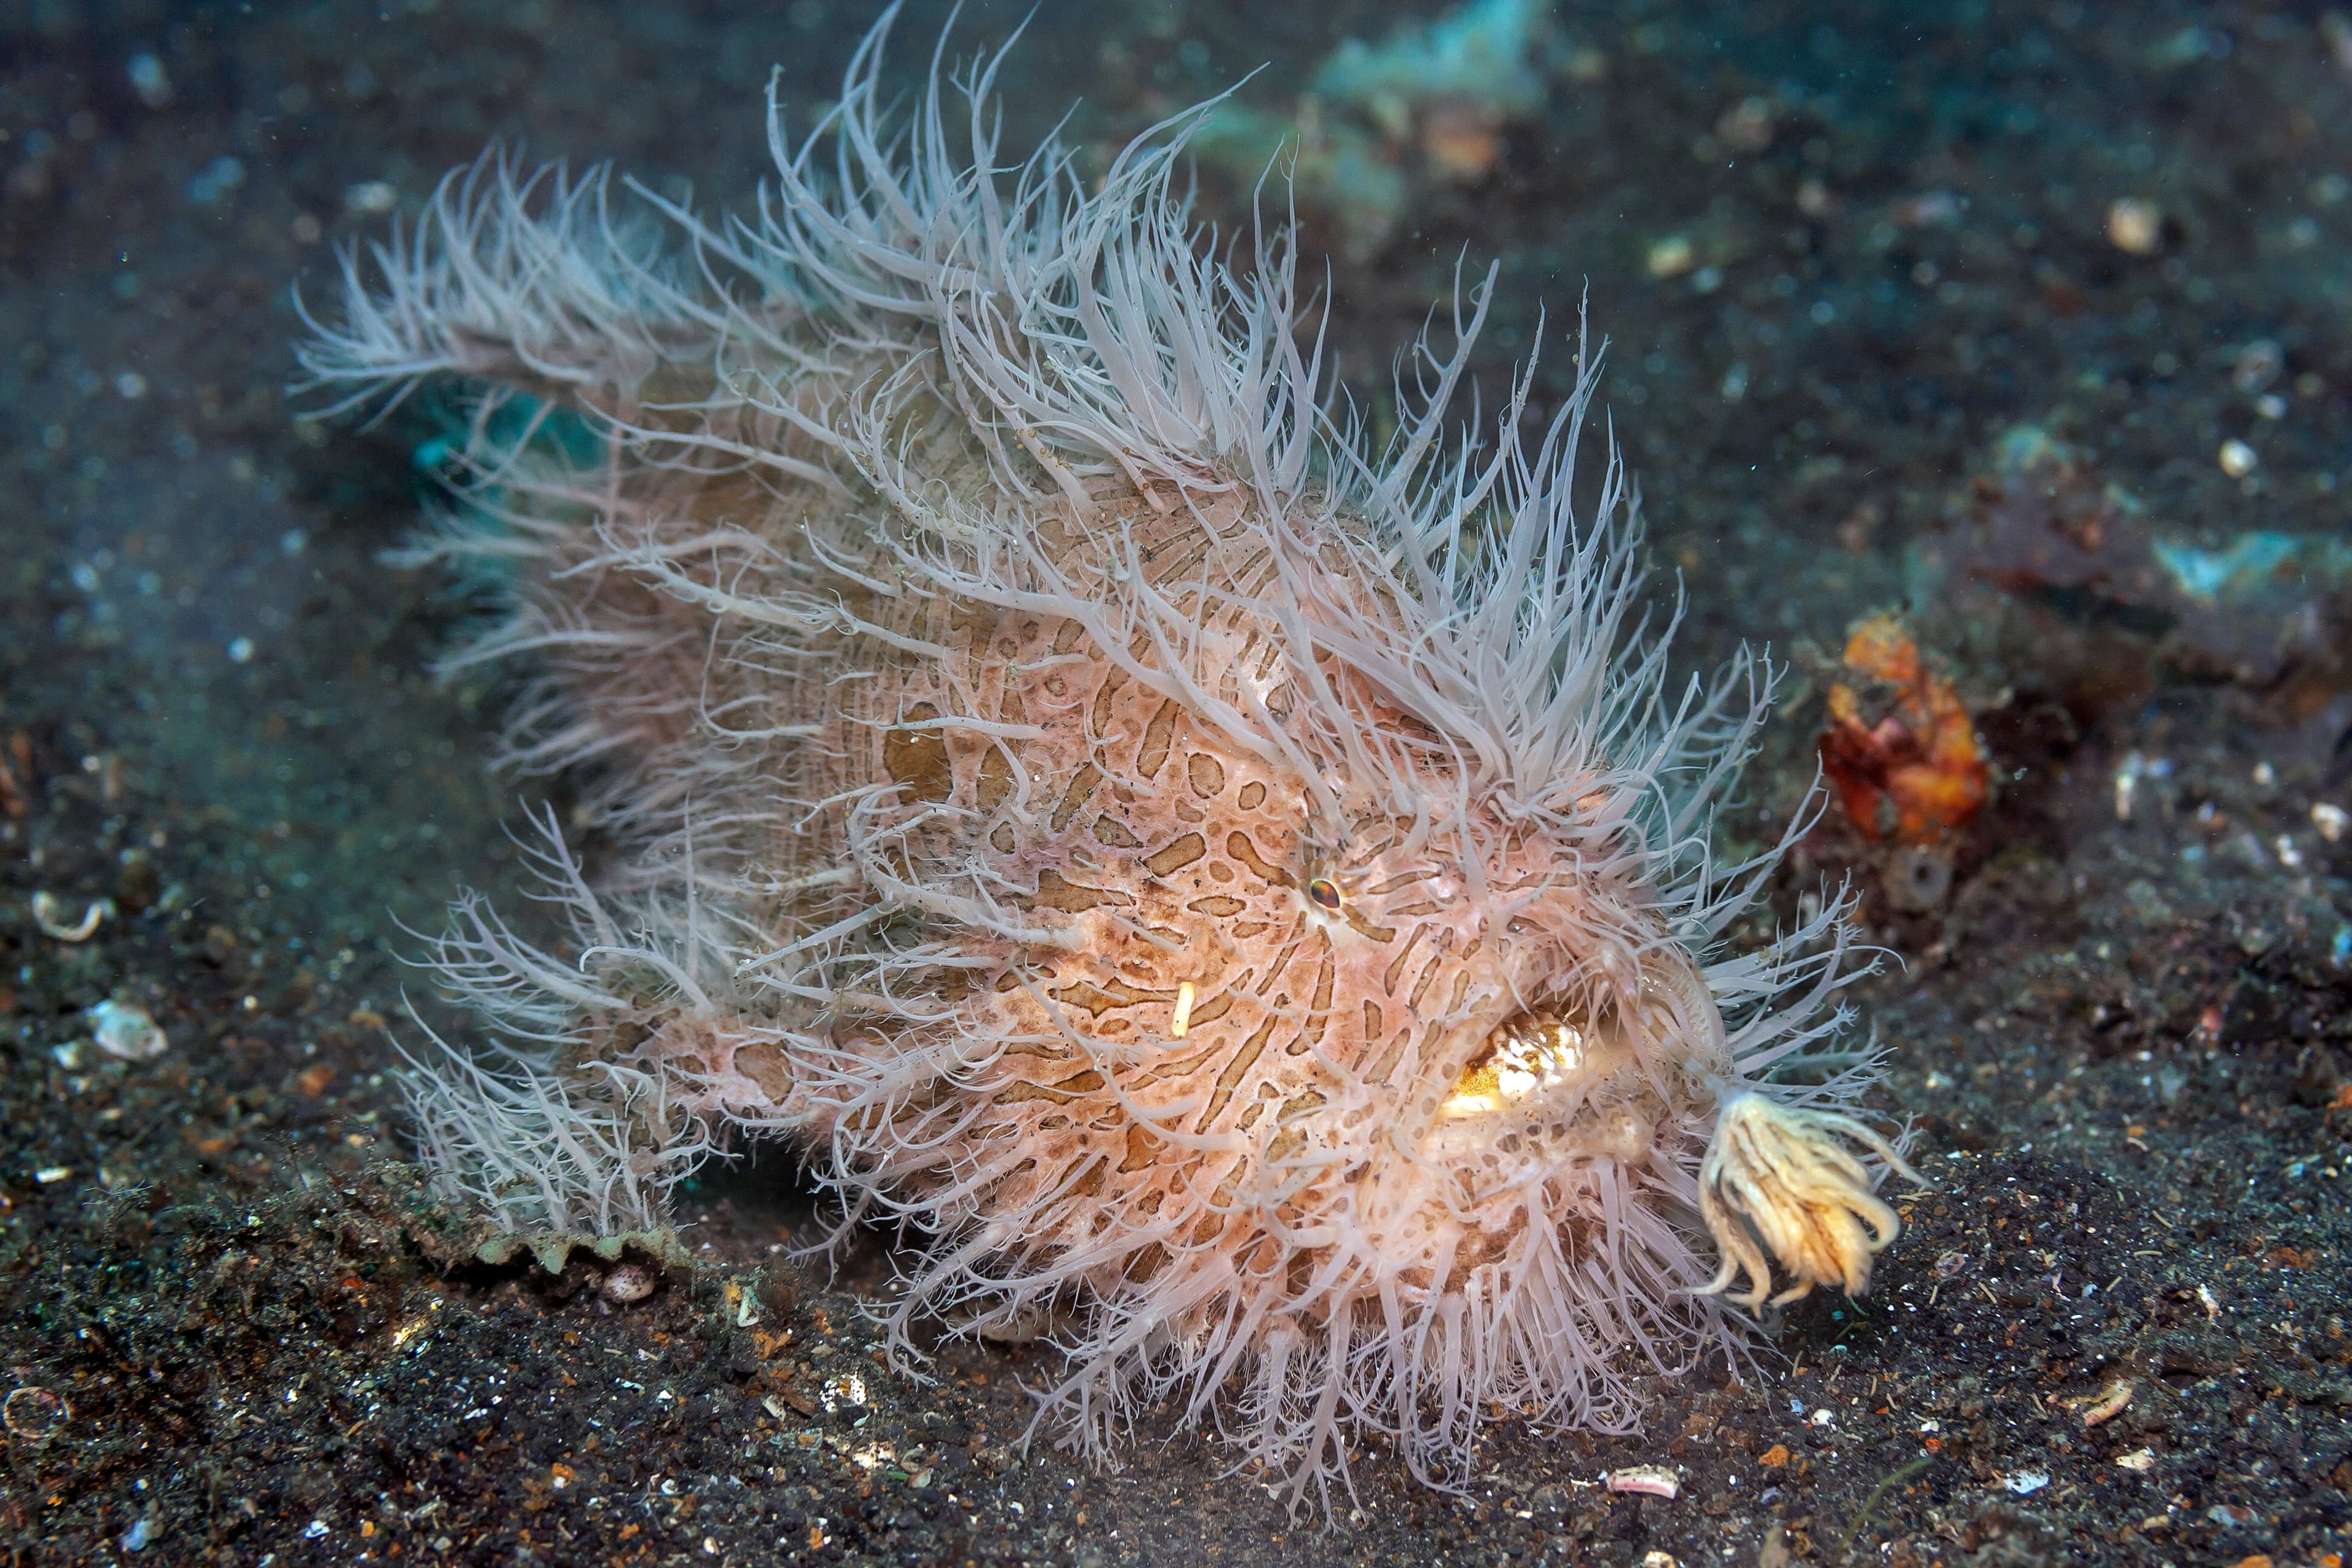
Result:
pixel 1901 750
pixel 2104 1405
pixel 52 914
pixel 15 775
pixel 1380 122
pixel 2114 591
pixel 1650 1481
pixel 2136 226
pixel 127 1031
pixel 35 1413
pixel 628 1283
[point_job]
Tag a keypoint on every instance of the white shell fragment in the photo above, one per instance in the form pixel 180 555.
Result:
pixel 50 912
pixel 35 1413
pixel 2109 1403
pixel 1650 1481
pixel 127 1031
pixel 627 1283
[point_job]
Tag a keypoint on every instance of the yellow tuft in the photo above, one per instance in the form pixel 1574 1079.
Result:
pixel 1776 1174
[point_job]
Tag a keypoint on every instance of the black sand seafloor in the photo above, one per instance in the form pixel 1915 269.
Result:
pixel 2034 321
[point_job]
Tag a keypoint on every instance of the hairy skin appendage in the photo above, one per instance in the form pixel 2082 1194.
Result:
pixel 1241 893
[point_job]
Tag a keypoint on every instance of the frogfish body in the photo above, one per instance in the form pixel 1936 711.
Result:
pixel 1243 892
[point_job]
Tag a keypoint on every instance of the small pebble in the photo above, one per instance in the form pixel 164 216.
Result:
pixel 627 1283
pixel 222 175
pixel 127 1031
pixel 844 1389
pixel 1746 126
pixel 1928 209
pixel 153 83
pixel 34 1412
pixel 2237 459
pixel 2136 226
pixel 1671 256
pixel 2257 365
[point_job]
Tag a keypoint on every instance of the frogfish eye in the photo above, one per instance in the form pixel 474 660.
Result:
pixel 1326 894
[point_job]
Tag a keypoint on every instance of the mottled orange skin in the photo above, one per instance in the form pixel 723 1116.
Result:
pixel 1917 774
pixel 1302 1103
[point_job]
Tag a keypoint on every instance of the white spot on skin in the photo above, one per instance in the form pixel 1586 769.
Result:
pixel 1184 1019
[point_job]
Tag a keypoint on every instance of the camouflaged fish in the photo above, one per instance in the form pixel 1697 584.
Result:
pixel 1241 891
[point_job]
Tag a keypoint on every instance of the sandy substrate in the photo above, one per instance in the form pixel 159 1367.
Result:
pixel 1844 254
